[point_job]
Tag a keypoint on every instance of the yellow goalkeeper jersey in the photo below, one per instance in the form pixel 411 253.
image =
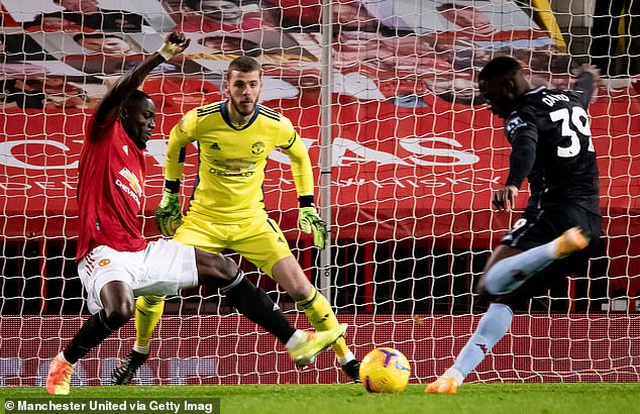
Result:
pixel 232 160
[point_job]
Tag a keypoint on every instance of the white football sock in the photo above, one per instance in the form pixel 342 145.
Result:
pixel 347 358
pixel 297 337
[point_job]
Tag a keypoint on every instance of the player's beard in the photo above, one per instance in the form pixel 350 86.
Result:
pixel 241 109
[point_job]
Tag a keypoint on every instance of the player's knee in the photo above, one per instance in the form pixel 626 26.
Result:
pixel 483 294
pixel 223 268
pixel 216 268
pixel 481 288
pixel 289 275
pixel 228 267
pixel 299 290
pixel 120 314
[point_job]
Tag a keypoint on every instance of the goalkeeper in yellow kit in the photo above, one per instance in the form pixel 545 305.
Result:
pixel 235 137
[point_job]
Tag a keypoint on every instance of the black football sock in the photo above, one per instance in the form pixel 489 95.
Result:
pixel 255 304
pixel 91 334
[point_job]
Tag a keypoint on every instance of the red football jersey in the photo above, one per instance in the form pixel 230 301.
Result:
pixel 110 190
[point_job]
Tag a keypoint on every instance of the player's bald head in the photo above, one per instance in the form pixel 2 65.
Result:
pixel 500 68
pixel 136 100
pixel 501 83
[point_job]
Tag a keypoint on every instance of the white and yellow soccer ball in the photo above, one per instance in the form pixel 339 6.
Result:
pixel 385 370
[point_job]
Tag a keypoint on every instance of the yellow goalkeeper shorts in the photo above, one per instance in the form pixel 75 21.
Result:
pixel 258 240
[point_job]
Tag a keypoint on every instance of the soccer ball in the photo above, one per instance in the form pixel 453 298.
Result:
pixel 385 370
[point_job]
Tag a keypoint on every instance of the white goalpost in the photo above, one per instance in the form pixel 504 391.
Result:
pixel 405 155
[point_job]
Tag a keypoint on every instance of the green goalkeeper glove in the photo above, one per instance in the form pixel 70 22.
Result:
pixel 309 221
pixel 168 215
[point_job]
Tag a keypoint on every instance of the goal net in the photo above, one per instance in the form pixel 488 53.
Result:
pixel 395 118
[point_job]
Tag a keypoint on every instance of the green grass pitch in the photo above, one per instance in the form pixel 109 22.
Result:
pixel 494 398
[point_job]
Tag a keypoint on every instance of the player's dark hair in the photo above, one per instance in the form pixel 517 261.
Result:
pixel 244 64
pixel 134 100
pixel 500 67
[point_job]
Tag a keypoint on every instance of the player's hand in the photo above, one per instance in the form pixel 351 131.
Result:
pixel 174 44
pixel 505 198
pixel 586 68
pixel 593 70
pixel 168 215
pixel 309 222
